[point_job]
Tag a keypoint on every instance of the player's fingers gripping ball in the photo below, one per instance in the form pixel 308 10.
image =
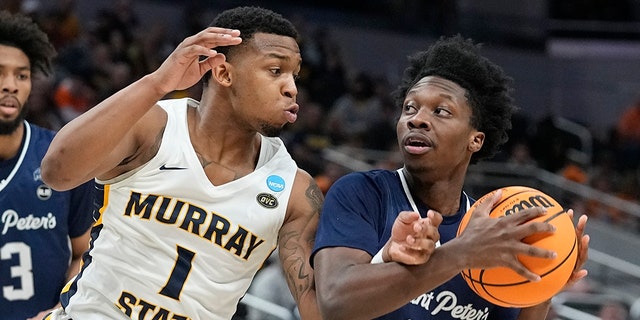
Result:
pixel 503 286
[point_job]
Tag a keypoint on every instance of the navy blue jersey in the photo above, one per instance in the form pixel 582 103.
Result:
pixel 36 224
pixel 359 211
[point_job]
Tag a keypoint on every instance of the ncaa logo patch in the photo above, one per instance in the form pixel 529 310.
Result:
pixel 275 183
pixel 267 200
pixel 44 192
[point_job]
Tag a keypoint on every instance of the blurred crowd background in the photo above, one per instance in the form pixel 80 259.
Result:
pixel 575 64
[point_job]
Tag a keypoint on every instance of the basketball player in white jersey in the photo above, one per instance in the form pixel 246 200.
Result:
pixel 197 194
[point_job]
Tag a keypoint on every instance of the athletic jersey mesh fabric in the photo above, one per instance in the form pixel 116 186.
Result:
pixel 359 211
pixel 36 224
pixel 170 244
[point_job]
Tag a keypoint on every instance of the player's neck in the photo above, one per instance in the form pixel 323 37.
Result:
pixel 442 195
pixel 223 163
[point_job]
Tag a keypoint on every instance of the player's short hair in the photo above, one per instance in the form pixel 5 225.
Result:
pixel 20 31
pixel 251 20
pixel 488 87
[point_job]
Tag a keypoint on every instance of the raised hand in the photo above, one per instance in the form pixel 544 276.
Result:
pixel 413 239
pixel 184 67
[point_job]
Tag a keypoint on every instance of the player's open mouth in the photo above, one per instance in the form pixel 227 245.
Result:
pixel 9 105
pixel 417 144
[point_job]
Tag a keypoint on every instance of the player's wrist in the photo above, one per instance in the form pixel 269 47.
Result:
pixel 154 82
pixel 385 254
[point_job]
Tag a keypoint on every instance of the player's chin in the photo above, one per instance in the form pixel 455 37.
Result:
pixel 271 130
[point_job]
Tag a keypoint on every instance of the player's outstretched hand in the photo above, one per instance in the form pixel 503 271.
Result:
pixel 488 242
pixel 413 239
pixel 184 67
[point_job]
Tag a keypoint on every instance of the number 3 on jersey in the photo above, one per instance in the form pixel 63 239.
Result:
pixel 179 274
pixel 23 271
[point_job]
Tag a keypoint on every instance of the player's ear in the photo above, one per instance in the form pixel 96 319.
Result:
pixel 476 140
pixel 222 73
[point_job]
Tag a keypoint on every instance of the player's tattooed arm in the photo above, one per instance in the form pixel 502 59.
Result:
pixel 296 240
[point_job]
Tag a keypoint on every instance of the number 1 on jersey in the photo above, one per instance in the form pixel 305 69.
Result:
pixel 179 274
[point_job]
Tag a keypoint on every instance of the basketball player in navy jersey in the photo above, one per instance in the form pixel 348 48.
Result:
pixel 455 110
pixel 43 232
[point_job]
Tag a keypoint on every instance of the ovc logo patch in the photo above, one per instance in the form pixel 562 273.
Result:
pixel 267 200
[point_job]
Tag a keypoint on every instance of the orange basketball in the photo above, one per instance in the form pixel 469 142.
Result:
pixel 503 286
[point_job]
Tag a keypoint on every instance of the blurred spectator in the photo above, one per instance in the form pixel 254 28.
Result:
pixel 604 165
pixel 603 176
pixel 61 23
pixel 124 15
pixel 73 96
pixel 355 113
pixel 41 110
pixel 522 127
pixel 549 146
pixel 383 133
pixel 307 138
pixel 101 63
pixel 574 171
pixel 594 206
pixel 117 27
pixel 156 46
pixel 76 58
pixel 520 155
pixel 628 137
pixel 119 19
pixel 628 189
pixel 118 77
pixel 323 70
pixel 330 173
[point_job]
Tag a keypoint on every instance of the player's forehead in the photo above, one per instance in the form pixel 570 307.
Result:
pixel 276 45
pixel 13 57
pixel 437 83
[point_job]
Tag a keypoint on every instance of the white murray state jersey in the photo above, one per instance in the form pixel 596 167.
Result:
pixel 170 244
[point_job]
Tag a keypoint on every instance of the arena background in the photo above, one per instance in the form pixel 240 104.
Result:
pixel 576 66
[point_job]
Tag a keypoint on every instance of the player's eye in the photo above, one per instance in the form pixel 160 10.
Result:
pixel 442 111
pixel 409 108
pixel 275 71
